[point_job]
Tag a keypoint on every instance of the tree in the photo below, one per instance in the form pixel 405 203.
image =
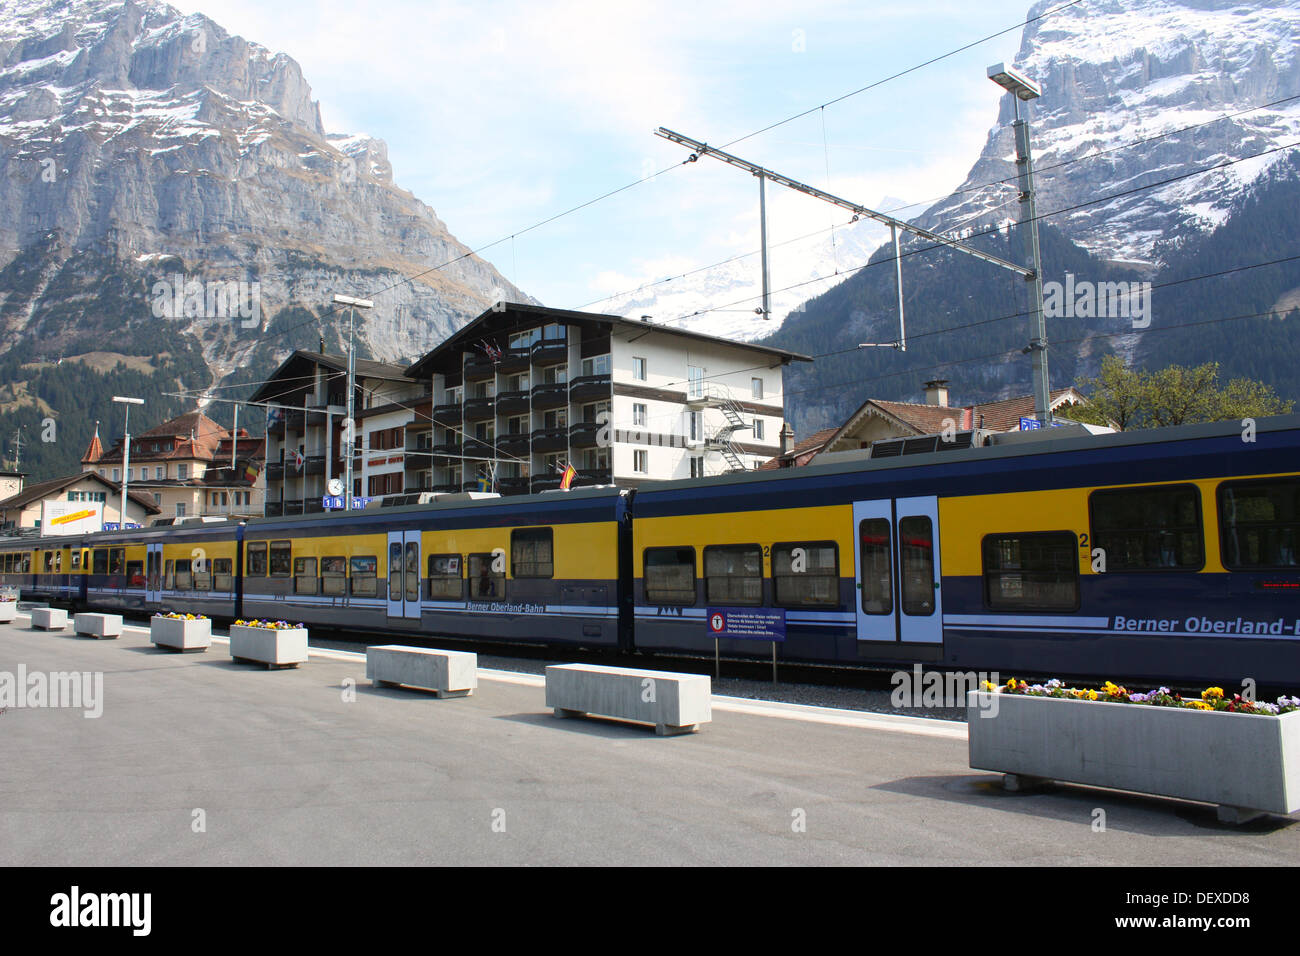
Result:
pixel 1176 395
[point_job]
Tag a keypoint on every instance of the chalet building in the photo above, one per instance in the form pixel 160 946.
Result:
pixel 878 419
pixel 23 511
pixel 188 466
pixel 307 396
pixel 523 391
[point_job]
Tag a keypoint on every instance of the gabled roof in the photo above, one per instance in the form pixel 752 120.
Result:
pixel 813 443
pixel 517 316
pixel 297 371
pixel 1004 416
pixel 54 486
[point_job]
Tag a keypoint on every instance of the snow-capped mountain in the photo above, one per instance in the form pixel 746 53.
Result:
pixel 140 145
pixel 1116 75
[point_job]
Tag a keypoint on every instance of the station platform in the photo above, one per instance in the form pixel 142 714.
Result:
pixel 313 766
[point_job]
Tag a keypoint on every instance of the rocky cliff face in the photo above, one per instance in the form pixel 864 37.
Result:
pixel 1116 72
pixel 146 151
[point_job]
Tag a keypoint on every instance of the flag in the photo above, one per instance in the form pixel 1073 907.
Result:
pixel 491 351
pixel 298 460
pixel 273 415
pixel 251 473
pixel 566 481
pixel 484 483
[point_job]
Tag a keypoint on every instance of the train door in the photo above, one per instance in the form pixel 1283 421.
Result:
pixel 404 574
pixel 896 544
pixel 153 566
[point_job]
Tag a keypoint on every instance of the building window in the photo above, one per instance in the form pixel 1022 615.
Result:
pixel 1259 523
pixel 696 429
pixel 697 466
pixel 180 509
pixel 756 387
pixel 638 414
pixel 182 472
pixel 638 369
pixel 596 365
pixel 117 474
pixel 695 381
pixel 806 573
pixel 158 473
pixel 733 574
pixel 531 553
pixel 157 498
pixel 1031 571
pixel 758 429
pixel 669 575
pixel 1151 528
pixel 641 461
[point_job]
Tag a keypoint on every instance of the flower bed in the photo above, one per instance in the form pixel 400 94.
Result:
pixel 273 643
pixel 1212 698
pixel 1155 743
pixel 181 632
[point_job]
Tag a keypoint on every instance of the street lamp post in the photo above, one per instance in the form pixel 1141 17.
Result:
pixel 349 423
pixel 1025 89
pixel 126 450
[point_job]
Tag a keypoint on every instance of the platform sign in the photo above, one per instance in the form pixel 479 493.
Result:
pixel 71 517
pixel 746 623
pixel 335 503
pixel 1029 424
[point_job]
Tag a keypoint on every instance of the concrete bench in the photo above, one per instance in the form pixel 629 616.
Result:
pixel 102 626
pixel 674 703
pixel 49 618
pixel 446 673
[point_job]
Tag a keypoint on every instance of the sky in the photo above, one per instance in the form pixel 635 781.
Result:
pixel 501 115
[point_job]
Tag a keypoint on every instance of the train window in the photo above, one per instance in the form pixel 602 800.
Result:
pixel 916 565
pixel 223 577
pixel 116 560
pixel 444 577
pixel 486 582
pixel 365 580
pixel 58 562
pixel 1259 524
pixel 135 574
pixel 76 559
pixel 1038 571
pixel 99 561
pixel 304 576
pixel 169 576
pixel 532 553
pixel 202 569
pixel 333 575
pixel 876 575
pixel 184 575
pixel 1148 529
pixel 733 574
pixel 806 573
pixel 256 561
pixel 49 562
pixel 278 562
pixel 669 575
pixel 27 562
pixel 395 570
pixel 6 563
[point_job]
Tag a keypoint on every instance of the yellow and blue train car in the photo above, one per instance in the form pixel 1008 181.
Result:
pixel 184 568
pixel 542 569
pixel 1168 555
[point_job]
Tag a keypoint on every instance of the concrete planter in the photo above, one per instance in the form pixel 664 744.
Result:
pixel 181 635
pixel 102 626
pixel 49 618
pixel 8 611
pixel 274 648
pixel 1246 764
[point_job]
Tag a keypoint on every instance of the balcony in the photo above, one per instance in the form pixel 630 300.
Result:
pixel 590 388
pixel 315 465
pixel 479 367
pixel 513 486
pixel 551 439
pixel 550 351
pixel 593 476
pixel 479 448
pixel 419 440
pixel 274 509
pixel 585 434
pixel 275 471
pixel 515 360
pixel 545 483
pixel 512 444
pixel 550 395
pixel 513 403
pixel 447 414
pixel 448 449
pixel 320 414
pixel 480 409
pixel 450 489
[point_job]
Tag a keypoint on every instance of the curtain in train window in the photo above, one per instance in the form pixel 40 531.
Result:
pixel 733 574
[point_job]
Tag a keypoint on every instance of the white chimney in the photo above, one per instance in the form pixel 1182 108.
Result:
pixel 936 392
pixel 787 438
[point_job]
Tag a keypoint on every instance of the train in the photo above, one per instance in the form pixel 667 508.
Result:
pixel 1166 555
